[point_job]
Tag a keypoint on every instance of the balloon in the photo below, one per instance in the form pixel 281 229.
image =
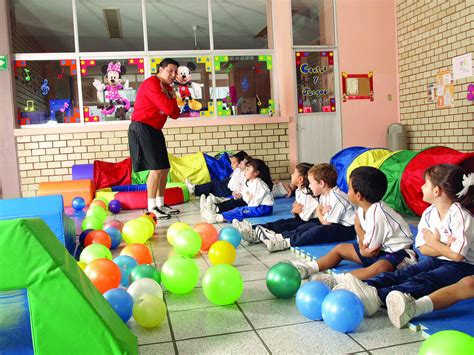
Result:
pixel 81 265
pixel 144 286
pixel 78 203
pixel 231 235
pixel 174 229
pixel 179 274
pixel 98 212
pixel 99 203
pixel 342 311
pixel 222 284
pixel 115 206
pixel 126 264
pixel 83 236
pixel 149 311
pixel 139 252
pixel 115 236
pixel 150 226
pixel 309 299
pixel 93 252
pixel 98 237
pixel 121 302
pixel 187 242
pixel 114 224
pixel 151 216
pixel 222 252
pixel 448 342
pixel 92 222
pixel 142 271
pixel 283 280
pixel 103 199
pixel 208 234
pixel 104 274
pixel 135 232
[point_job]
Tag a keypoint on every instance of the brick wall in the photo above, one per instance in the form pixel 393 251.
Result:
pixel 430 33
pixel 50 157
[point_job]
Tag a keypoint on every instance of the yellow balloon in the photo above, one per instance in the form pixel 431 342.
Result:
pixel 149 311
pixel 222 252
pixel 135 232
pixel 174 229
pixel 149 224
pixel 81 265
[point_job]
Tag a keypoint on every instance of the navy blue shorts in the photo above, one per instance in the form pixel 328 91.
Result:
pixel 393 258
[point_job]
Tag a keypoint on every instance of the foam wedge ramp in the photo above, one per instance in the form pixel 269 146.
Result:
pixel 43 290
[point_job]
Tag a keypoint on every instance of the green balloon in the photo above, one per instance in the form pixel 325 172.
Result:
pixel 145 271
pixel 187 242
pixel 222 284
pixel 283 280
pixel 174 229
pixel 149 311
pixel 92 222
pixel 179 274
pixel 97 211
pixel 93 252
pixel 448 342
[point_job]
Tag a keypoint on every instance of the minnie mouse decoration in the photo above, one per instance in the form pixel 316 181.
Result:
pixel 183 80
pixel 113 72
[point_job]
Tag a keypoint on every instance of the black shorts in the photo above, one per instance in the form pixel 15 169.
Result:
pixel 393 258
pixel 147 147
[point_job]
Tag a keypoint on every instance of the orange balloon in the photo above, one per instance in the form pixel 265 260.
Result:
pixel 208 235
pixel 98 237
pixel 151 216
pixel 104 274
pixel 222 252
pixel 139 252
pixel 99 203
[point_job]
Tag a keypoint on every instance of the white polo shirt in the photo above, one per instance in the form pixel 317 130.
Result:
pixel 457 223
pixel 309 202
pixel 256 193
pixel 341 211
pixel 237 179
pixel 384 228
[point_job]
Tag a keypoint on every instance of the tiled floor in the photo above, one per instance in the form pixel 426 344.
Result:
pixel 258 323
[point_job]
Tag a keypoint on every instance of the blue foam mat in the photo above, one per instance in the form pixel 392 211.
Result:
pixel 281 210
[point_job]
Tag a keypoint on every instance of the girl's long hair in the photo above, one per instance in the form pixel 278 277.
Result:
pixel 264 172
pixel 303 169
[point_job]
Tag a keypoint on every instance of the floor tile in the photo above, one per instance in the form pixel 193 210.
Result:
pixel 405 349
pixel 238 343
pixel 271 259
pixel 153 335
pixel 255 291
pixel 158 349
pixel 192 300
pixel 253 272
pixel 308 338
pixel 208 321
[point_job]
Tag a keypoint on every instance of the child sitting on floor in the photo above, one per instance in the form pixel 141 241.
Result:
pixel 384 238
pixel 304 208
pixel 445 238
pixel 334 212
pixel 256 201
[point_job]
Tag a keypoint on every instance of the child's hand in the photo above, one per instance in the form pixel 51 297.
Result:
pixel 451 240
pixel 369 253
pixel 431 237
pixel 297 208
pixel 325 209
pixel 236 195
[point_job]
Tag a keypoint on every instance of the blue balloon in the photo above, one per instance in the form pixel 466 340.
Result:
pixel 115 236
pixel 342 311
pixel 121 301
pixel 231 235
pixel 310 297
pixel 126 264
pixel 78 203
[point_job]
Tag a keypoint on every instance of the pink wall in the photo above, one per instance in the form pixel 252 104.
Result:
pixel 368 42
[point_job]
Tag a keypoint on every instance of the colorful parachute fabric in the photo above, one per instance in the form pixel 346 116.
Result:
pixel 368 158
pixel 341 162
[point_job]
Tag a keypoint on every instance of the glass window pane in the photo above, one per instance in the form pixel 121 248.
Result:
pixel 109 88
pixel 42 26
pixel 240 24
pixel 243 85
pixel 177 25
pixel 315 82
pixel 313 22
pixel 106 25
pixel 46 92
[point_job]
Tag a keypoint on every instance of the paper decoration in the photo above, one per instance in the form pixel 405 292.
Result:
pixel 462 66
pixel 444 89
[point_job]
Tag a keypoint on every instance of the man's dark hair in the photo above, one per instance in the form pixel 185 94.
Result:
pixel 370 182
pixel 165 62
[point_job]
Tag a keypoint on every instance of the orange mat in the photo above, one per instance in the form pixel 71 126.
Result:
pixel 68 189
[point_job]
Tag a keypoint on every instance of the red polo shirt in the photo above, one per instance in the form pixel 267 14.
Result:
pixel 152 105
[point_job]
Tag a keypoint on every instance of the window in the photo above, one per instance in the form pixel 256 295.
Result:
pixel 313 22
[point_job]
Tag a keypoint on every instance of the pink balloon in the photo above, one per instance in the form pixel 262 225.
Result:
pixel 114 224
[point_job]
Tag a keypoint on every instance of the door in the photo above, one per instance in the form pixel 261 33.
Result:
pixel 318 122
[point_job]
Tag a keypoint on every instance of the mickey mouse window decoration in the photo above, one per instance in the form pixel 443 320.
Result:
pixel 188 91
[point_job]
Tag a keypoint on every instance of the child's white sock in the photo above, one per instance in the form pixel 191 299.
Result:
pixel 151 203
pixel 312 267
pixel 423 305
pixel 160 201
pixel 339 277
pixel 219 218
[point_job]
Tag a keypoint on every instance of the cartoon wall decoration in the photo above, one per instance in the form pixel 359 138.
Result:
pixel 188 90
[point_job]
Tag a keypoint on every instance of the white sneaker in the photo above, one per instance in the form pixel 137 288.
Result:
pixel 401 308
pixel 216 199
pixel 325 278
pixel 303 267
pixel 209 216
pixel 211 206
pixel 273 241
pixel 202 204
pixel 367 294
pixel 279 190
pixel 411 259
pixel 191 187
pixel 246 231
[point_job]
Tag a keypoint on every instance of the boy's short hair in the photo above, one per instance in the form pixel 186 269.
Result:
pixel 370 182
pixel 325 172
pixel 240 156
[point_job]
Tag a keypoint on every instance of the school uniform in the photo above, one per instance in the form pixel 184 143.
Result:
pixel 432 273
pixel 341 216
pixel 222 188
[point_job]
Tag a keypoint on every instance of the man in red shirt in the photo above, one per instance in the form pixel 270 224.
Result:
pixel 155 102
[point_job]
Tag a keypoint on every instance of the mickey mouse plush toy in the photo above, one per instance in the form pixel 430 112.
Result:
pixel 113 72
pixel 183 80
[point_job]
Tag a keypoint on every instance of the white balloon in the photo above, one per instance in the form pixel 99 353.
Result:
pixel 144 286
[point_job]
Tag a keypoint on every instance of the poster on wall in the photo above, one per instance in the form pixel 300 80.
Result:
pixel 462 66
pixel 444 89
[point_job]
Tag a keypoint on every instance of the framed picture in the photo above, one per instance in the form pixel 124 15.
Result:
pixel 357 86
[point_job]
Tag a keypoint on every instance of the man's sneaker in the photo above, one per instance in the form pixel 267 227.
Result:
pixel 325 278
pixel 246 231
pixel 367 294
pixel 303 267
pixel 160 214
pixel 216 199
pixel 211 206
pixel 169 210
pixel 411 259
pixel 191 187
pixel 401 308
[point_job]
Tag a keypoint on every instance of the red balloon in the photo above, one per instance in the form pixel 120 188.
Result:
pixel 114 224
pixel 151 216
pixel 98 237
pixel 139 252
pixel 99 203
pixel 208 235
pixel 104 274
